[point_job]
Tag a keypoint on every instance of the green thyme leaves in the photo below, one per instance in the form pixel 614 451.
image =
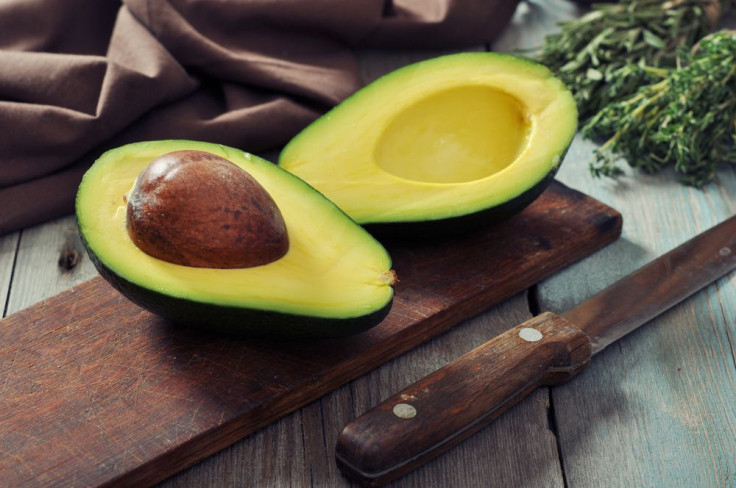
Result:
pixel 643 88
pixel 597 55
pixel 686 119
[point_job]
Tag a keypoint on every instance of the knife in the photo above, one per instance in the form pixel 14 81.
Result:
pixel 440 410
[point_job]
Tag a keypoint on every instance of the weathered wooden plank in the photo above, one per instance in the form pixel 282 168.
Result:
pixel 8 246
pixel 50 259
pixel 656 409
pixel 532 21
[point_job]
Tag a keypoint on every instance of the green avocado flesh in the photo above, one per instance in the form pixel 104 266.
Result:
pixel 463 135
pixel 334 280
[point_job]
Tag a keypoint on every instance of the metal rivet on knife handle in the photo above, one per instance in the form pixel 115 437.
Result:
pixel 404 411
pixel 530 335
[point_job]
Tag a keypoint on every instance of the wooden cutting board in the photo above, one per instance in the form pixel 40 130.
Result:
pixel 95 391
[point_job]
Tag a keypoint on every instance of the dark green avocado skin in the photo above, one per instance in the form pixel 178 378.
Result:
pixel 236 321
pixel 411 230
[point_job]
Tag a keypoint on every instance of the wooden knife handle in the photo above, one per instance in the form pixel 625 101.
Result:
pixel 440 410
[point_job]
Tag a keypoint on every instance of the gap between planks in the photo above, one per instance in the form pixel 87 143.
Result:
pixel 8 264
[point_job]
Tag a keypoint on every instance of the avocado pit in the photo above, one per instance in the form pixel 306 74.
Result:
pixel 197 209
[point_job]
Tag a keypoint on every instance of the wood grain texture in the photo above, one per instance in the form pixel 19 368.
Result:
pixel 298 450
pixel 8 246
pixel 125 398
pixel 50 259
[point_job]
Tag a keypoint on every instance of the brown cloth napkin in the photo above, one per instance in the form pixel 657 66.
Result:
pixel 78 77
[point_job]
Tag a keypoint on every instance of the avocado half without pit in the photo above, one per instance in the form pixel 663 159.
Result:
pixel 213 237
pixel 451 143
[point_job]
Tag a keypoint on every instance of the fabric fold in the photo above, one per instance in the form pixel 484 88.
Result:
pixel 82 77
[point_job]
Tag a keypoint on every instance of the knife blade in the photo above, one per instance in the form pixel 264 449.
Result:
pixel 437 412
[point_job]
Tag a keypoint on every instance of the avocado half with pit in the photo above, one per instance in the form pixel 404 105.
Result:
pixel 332 279
pixel 468 138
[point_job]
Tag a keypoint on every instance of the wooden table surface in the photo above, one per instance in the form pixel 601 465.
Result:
pixel 657 409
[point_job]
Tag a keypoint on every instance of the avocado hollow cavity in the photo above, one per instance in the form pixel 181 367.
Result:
pixel 334 280
pixel 457 135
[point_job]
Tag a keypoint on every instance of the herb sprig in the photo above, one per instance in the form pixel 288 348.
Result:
pixel 686 118
pixel 599 55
